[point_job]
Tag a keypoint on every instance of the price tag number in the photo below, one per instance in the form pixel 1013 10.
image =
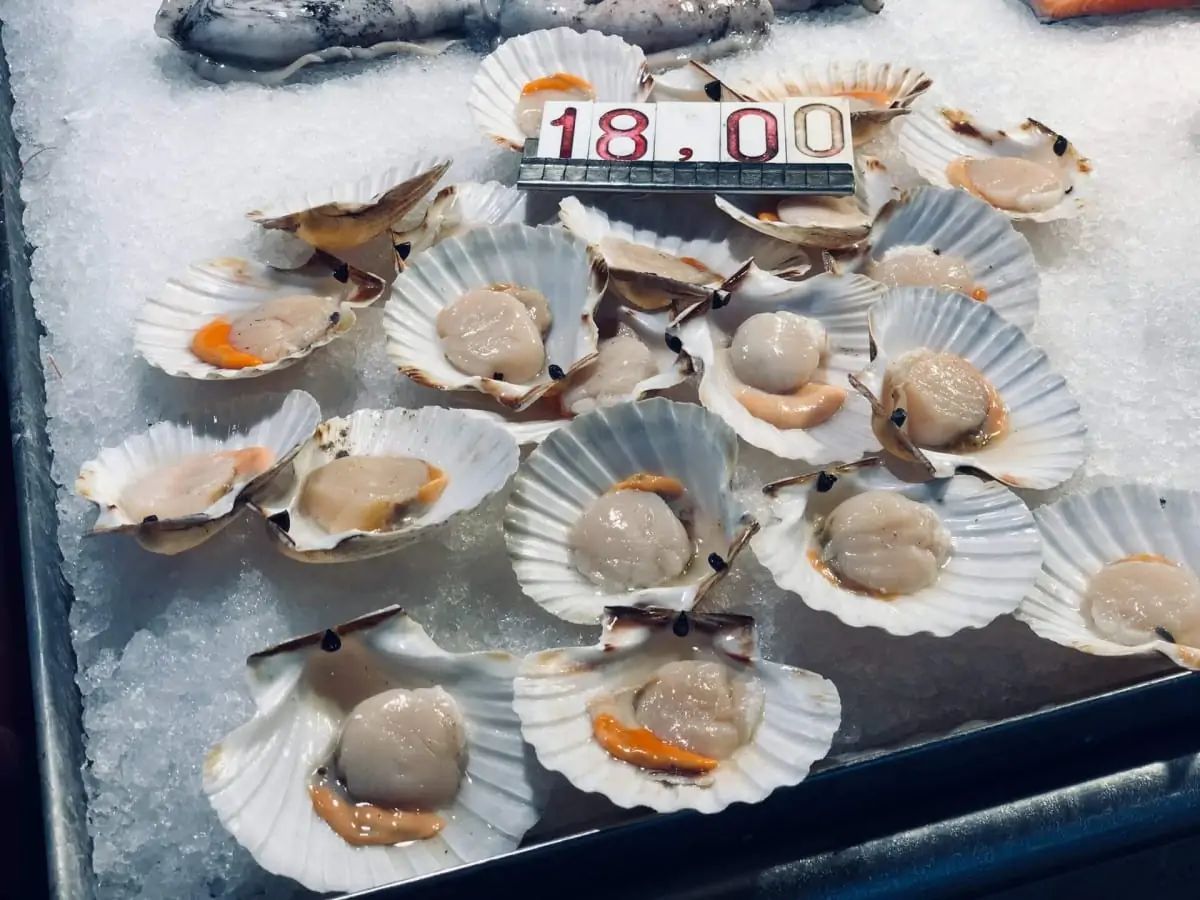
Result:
pixel 796 132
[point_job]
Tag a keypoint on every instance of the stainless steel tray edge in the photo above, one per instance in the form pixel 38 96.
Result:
pixel 58 709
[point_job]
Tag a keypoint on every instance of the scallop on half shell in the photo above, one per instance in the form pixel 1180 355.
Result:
pixel 878 92
pixel 514 83
pixel 1120 573
pixel 318 787
pixel 957 553
pixel 955 386
pixel 675 710
pixel 377 480
pixel 1027 171
pixel 549 261
pixel 936 237
pixel 176 485
pixel 662 252
pixel 226 318
pixel 456 210
pixel 664 470
pixel 827 223
pixel 799 341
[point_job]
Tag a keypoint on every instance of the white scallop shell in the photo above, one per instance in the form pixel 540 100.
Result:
pixel 840 303
pixel 995 559
pixel 1083 533
pixel 800 711
pixel 249 422
pixel 578 463
pixel 1046 441
pixel 456 210
pixel 227 288
pixel 683 227
pixel 256 777
pixel 833 223
pixel 692 82
pixel 615 70
pixel 547 259
pixel 960 226
pixel 477 457
pixel 901 85
pixel 929 142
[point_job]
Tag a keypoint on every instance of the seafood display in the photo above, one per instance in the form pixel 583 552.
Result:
pixel 1053 10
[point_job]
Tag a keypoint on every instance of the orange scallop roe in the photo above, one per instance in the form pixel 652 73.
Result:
pixel 642 747
pixel 876 98
pixel 768 217
pixel 980 294
pixel 211 345
pixel 559 81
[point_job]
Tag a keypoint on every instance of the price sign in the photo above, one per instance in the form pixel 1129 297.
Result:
pixel 797 146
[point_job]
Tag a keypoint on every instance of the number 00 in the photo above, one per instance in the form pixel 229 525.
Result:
pixel 804 136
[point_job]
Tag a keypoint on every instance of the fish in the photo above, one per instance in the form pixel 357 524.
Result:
pixel 1053 10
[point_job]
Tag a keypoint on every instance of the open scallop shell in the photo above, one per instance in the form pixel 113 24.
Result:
pixel 1085 532
pixel 878 92
pixel 476 457
pixel 840 303
pixel 227 288
pixel 256 778
pixel 995 558
pixel 353 220
pixel 933 139
pixel 578 463
pixel 798 713
pixel 692 82
pixel 828 223
pixel 615 70
pixel 1046 439
pixel 956 225
pixel 234 426
pixel 685 228
pixel 456 210
pixel 562 267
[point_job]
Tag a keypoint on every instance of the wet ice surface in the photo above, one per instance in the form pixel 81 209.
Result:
pixel 134 167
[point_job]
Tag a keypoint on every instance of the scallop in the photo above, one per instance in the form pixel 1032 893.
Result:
pixel 877 92
pixel 515 82
pixel 456 210
pixel 444 331
pixel 374 756
pixel 953 385
pixel 775 360
pixel 1028 171
pixel 378 480
pixel 879 552
pixel 1119 577
pixel 674 710
pixel 669 251
pixel 580 533
pixel 176 485
pixel 948 239
pixel 827 223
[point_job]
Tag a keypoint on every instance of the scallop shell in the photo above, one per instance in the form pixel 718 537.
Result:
pixel 800 711
pixel 1046 441
pixel 834 222
pixel 615 70
pixel 283 431
pixel 996 555
pixel 958 225
pixel 683 227
pixel 1083 533
pixel 932 139
pixel 578 463
pixel 256 777
pixel 840 303
pixel 229 287
pixel 476 456
pixel 458 209
pixel 559 265
pixel 693 82
pixel 888 89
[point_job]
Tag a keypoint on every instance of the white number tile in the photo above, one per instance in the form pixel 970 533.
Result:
pixel 755 135
pixel 821 130
pixel 623 131
pixel 550 137
pixel 688 132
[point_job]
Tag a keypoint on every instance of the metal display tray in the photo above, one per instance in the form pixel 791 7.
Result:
pixel 978 809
